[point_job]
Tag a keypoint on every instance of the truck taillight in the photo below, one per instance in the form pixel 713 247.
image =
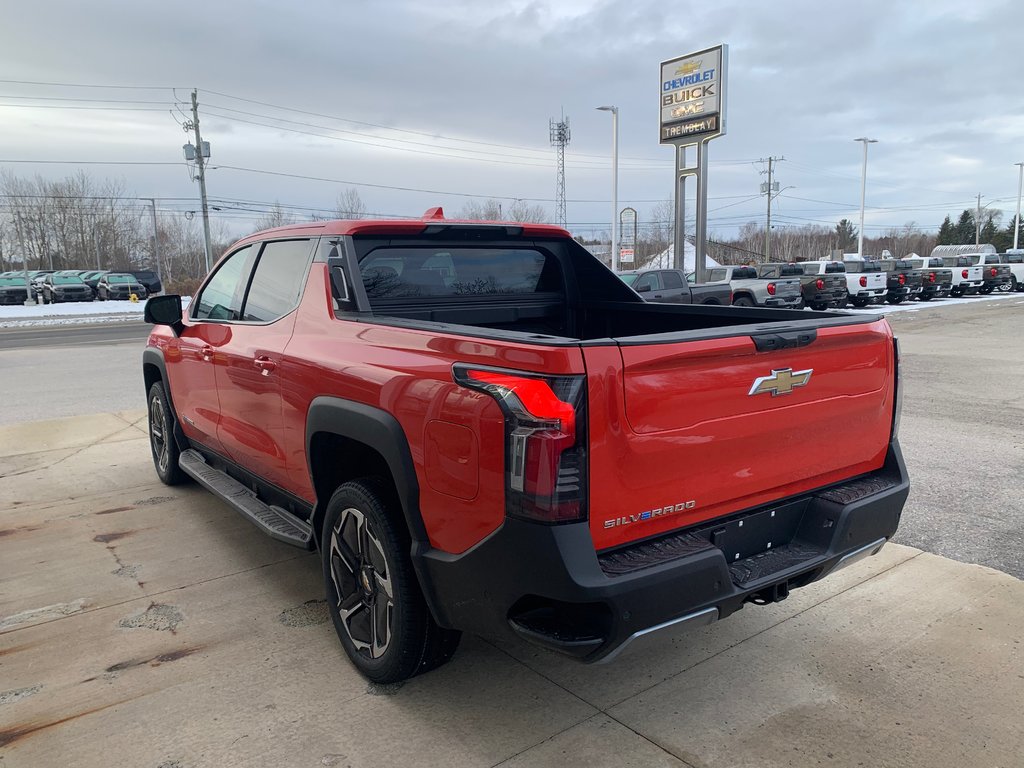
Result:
pixel 897 407
pixel 993 272
pixel 931 277
pixel 545 441
pixel 863 281
pixel 903 279
pixel 819 284
pixel 771 289
pixel 964 274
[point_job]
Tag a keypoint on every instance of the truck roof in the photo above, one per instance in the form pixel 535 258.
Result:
pixel 431 220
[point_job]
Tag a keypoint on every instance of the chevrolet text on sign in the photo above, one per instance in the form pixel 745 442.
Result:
pixel 692 99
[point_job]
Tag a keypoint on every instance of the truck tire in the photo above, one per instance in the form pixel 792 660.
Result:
pixel 161 437
pixel 742 301
pixel 373 596
pixel 858 301
pixel 1016 286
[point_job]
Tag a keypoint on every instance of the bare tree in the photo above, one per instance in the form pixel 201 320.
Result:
pixel 520 210
pixel 349 205
pixel 487 210
pixel 275 217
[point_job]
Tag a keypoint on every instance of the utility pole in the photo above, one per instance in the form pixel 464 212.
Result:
pixel 1020 188
pixel 96 246
pixel 863 192
pixel 977 224
pixel 770 189
pixel 615 185
pixel 156 243
pixel 201 166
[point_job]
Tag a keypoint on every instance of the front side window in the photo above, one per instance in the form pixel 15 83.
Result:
pixel 716 275
pixel 221 298
pixel 648 282
pixel 277 282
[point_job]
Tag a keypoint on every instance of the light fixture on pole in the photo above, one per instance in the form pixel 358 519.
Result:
pixel 1020 188
pixel 615 184
pixel 863 190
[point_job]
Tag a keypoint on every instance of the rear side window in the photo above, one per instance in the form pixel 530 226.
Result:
pixel 834 267
pixel 790 270
pixel 811 269
pixel 741 273
pixel 277 283
pixel 221 298
pixel 425 272
pixel 671 279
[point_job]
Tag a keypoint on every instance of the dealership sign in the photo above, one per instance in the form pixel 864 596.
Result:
pixel 693 96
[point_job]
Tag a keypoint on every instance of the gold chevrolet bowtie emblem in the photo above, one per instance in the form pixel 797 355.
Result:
pixel 688 68
pixel 781 382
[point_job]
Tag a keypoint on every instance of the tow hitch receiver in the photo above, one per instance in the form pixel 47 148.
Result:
pixel 776 593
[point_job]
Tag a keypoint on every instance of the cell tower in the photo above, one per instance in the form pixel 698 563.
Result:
pixel 560 140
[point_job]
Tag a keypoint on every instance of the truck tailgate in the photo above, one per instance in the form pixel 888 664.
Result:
pixel 693 430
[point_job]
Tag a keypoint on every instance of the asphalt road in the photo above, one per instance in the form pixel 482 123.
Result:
pixel 961 432
pixel 73 335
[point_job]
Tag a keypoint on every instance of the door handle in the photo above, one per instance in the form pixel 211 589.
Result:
pixel 206 353
pixel 657 295
pixel 265 364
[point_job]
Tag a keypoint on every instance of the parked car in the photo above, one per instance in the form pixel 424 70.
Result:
pixel 1015 260
pixel 115 286
pixel 673 286
pixel 967 278
pixel 936 277
pixel 819 291
pixel 92 278
pixel 150 279
pixel 13 289
pixel 903 281
pixel 865 282
pixel 59 288
pixel 482 429
pixel 748 290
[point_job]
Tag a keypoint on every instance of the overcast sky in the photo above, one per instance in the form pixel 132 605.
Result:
pixel 463 92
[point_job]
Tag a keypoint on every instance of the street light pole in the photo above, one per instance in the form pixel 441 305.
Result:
pixel 615 185
pixel 156 242
pixel 977 224
pixel 863 192
pixel 1020 188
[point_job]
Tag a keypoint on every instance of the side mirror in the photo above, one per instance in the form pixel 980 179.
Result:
pixel 164 310
pixel 645 288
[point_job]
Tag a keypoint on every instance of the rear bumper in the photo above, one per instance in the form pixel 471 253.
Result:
pixel 937 290
pixel 547 585
pixel 775 301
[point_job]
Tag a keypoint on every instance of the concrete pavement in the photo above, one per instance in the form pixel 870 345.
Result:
pixel 147 626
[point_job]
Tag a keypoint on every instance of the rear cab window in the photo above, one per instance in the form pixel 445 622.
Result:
pixel 449 272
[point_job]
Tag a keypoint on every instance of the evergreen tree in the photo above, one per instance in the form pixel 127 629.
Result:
pixel 947 232
pixel 846 235
pixel 1009 233
pixel 965 228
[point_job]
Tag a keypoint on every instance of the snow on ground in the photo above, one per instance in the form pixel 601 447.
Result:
pixel 920 306
pixel 20 316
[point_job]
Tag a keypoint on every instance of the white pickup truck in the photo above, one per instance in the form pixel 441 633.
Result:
pixel 967 278
pixel 865 281
pixel 1015 258
pixel 997 275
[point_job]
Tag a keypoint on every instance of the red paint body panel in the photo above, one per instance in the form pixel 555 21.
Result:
pixel 408 373
pixel 674 423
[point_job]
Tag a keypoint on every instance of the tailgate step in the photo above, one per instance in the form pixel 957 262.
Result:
pixel 274 521
pixel 772 563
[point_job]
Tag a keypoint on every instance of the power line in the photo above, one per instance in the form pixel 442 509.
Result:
pixel 91 85
pixel 90 162
pixel 71 98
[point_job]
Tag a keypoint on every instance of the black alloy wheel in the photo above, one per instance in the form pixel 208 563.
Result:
pixel 373 595
pixel 161 438
pixel 742 301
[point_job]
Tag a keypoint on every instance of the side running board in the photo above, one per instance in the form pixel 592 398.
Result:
pixel 273 521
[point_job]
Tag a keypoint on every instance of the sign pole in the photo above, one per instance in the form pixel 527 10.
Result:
pixel 701 225
pixel 679 225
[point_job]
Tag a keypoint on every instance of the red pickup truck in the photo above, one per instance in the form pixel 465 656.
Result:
pixel 481 428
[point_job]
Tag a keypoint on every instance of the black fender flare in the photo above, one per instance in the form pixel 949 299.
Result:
pixel 379 430
pixel 154 357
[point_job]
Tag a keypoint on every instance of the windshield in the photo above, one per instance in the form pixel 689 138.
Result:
pixel 629 278
pixel 120 279
pixel 12 280
pixel 67 280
